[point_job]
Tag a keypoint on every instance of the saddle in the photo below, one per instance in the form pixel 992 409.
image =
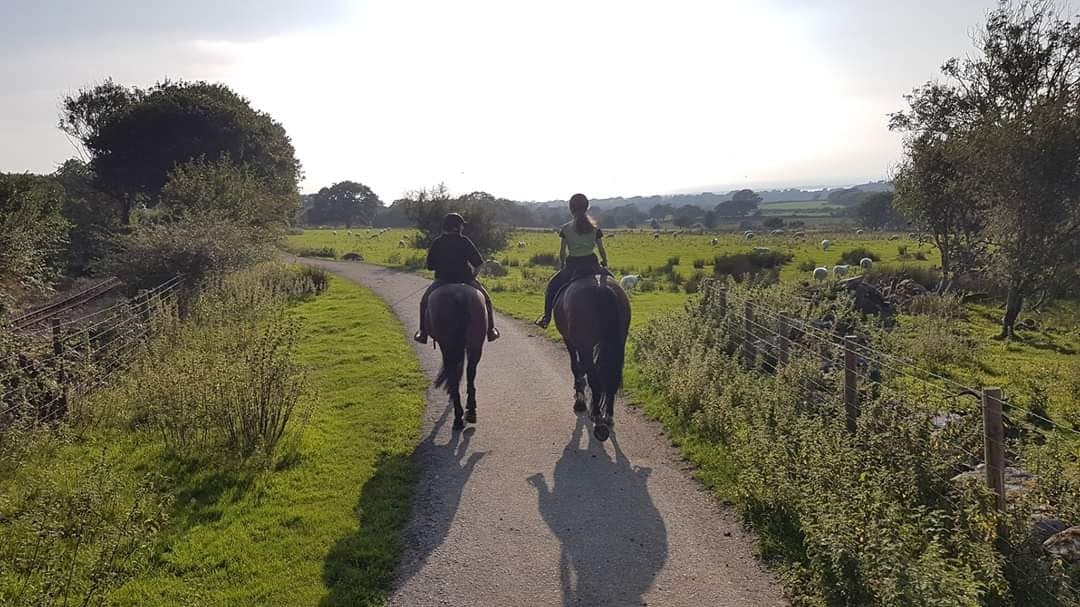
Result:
pixel 583 276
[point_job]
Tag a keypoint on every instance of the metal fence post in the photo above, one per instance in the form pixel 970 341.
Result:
pixel 851 386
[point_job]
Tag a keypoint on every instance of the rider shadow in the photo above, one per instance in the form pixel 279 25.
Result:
pixel 613 538
pixel 345 571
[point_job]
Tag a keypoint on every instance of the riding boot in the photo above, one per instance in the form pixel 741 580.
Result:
pixel 422 335
pixel 549 297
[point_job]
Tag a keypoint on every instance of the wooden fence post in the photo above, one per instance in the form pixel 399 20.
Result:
pixel 782 340
pixel 994 444
pixel 722 295
pixel 748 334
pixel 851 386
pixel 61 372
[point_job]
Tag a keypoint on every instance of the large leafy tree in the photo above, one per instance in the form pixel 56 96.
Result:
pixel 224 190
pixel 428 207
pixel 345 202
pixel 136 138
pixel 1010 115
pixel 877 212
pixel 743 202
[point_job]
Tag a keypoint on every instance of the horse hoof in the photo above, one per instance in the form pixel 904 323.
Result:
pixel 458 423
pixel 609 421
pixel 579 405
pixel 470 416
pixel 601 432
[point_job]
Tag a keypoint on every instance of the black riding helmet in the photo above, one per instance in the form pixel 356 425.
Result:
pixel 452 222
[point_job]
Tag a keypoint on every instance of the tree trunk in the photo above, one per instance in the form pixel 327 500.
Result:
pixel 1013 303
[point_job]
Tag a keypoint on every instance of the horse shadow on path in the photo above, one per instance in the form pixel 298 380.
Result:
pixel 360 568
pixel 613 538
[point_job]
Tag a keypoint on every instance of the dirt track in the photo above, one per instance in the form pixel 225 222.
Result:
pixel 525 508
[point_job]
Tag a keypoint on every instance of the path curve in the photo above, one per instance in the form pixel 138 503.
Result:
pixel 525 508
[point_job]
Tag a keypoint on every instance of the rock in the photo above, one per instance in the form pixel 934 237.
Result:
pixel 493 268
pixel 1064 545
pixel 1017 480
pixel 1043 527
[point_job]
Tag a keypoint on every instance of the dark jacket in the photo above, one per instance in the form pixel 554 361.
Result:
pixel 454 258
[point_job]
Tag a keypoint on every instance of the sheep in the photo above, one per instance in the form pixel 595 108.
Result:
pixel 762 250
pixel 521 244
pixel 714 241
pixel 777 232
pixel 894 237
pixel 629 281
pixel 866 263
pixel 348 232
pixel 858 232
pixel 821 273
pixel 840 271
pixel 656 235
pixel 749 235
pixel 334 232
pixel 800 234
pixel 676 233
pixel 912 235
pixel 401 244
pixel 825 244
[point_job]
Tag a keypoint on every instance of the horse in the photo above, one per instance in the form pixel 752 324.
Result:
pixel 593 317
pixel 457 318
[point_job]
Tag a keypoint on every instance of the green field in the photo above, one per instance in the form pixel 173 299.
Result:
pixel 1049 353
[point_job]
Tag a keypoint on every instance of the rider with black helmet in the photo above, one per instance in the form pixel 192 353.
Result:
pixel 454 258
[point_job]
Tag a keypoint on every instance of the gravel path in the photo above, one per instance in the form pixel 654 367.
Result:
pixel 526 509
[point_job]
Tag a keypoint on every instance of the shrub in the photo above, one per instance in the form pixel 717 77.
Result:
pixel 807 266
pixel 927 277
pixel 854 256
pixel 330 252
pixel 427 208
pixel 742 265
pixel 348 256
pixel 699 264
pixel 195 246
pixel 32 233
pixel 544 259
pixel 672 261
pixel 920 256
pixel 946 305
pixel 693 284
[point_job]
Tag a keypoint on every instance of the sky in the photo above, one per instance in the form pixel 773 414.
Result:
pixel 525 100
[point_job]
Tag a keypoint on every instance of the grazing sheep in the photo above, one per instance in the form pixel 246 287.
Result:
pixel 492 267
pixel 840 271
pixel 656 235
pixel 866 263
pixel 912 235
pixel 825 244
pixel 334 232
pixel 676 233
pixel 401 244
pixel 821 273
pixel 762 250
pixel 858 232
pixel 522 244
pixel 894 237
pixel 348 232
pixel 800 234
pixel 749 235
pixel 715 241
pixel 629 281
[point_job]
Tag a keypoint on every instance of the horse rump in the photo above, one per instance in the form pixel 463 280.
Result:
pixel 453 349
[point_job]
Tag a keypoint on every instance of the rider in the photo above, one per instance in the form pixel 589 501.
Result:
pixel 455 259
pixel 579 238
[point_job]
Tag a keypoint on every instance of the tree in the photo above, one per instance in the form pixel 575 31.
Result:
pixel 427 208
pixel 32 233
pixel 224 189
pixel 1011 124
pixel 136 138
pixel 773 223
pixel 346 202
pixel 743 202
pixel 848 197
pixel 710 220
pixel 661 211
pixel 95 217
pixel 876 212
pixel 654 224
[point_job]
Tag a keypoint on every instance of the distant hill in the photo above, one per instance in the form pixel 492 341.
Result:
pixel 708 200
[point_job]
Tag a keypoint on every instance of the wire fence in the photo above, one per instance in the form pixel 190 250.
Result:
pixel 768 339
pixel 49 368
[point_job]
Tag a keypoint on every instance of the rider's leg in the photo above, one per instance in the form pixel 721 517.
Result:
pixel 492 333
pixel 549 297
pixel 422 335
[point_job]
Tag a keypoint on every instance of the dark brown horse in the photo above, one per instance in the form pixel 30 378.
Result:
pixel 593 316
pixel 458 322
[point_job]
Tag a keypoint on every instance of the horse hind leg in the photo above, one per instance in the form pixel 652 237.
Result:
pixel 577 370
pixel 470 385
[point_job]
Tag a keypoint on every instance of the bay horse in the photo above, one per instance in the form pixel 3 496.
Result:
pixel 593 316
pixel 457 318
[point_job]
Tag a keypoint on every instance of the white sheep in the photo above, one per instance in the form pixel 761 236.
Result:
pixel 749 235
pixel 762 250
pixel 821 273
pixel 522 244
pixel 894 237
pixel 334 232
pixel 714 241
pixel 656 235
pixel 866 263
pixel 858 232
pixel 401 244
pixel 825 244
pixel 800 234
pixel 777 232
pixel 629 281
pixel 840 271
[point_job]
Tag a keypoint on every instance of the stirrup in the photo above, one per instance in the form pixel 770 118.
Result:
pixel 493 334
pixel 420 337
pixel 542 322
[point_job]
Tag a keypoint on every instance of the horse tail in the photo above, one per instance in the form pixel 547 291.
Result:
pixel 453 350
pixel 611 349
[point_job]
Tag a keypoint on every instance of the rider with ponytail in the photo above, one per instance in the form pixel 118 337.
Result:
pixel 581 239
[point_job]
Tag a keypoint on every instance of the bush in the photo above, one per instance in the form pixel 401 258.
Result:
pixel 544 259
pixel 347 257
pixel 699 264
pixel 32 234
pixel 919 256
pixel 854 256
pixel 427 208
pixel 693 284
pixel 807 266
pixel 196 246
pixel 330 252
pixel 927 277
pixel 742 265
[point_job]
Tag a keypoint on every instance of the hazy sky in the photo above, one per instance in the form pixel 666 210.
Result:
pixel 528 100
